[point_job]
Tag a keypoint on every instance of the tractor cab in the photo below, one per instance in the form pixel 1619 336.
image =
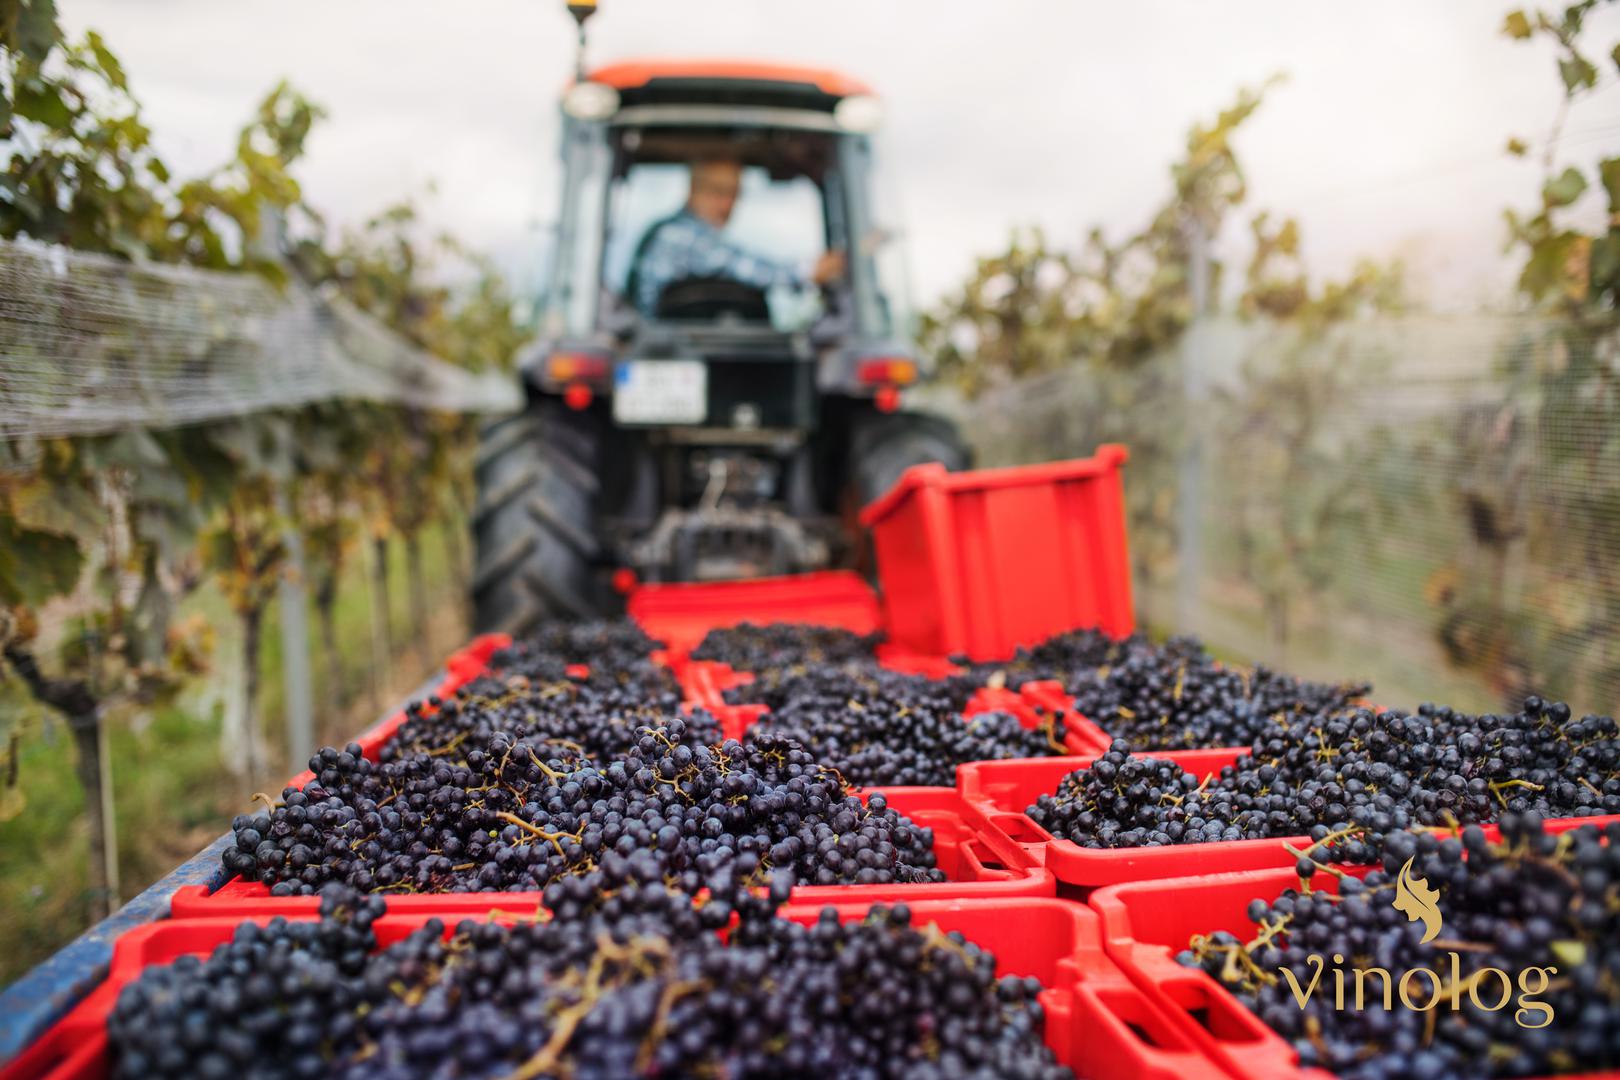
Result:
pixel 803 142
pixel 723 341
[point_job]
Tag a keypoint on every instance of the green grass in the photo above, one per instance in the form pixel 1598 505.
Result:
pixel 171 792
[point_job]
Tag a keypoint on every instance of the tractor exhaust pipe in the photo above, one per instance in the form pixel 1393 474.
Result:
pixel 581 10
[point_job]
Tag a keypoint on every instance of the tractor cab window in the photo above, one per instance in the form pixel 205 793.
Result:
pixel 775 232
pixel 795 195
pixel 719 222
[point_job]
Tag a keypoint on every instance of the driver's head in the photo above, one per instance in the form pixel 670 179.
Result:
pixel 715 185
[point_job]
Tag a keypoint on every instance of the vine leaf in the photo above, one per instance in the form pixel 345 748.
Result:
pixel 1568 186
pixel 35 30
pixel 1578 73
pixel 1609 177
pixel 36 565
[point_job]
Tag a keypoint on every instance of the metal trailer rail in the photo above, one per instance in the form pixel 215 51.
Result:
pixel 29 1006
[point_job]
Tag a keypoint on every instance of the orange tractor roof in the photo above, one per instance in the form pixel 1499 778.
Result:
pixel 635 73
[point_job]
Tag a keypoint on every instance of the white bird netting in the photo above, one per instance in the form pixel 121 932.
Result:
pixel 92 344
pixel 1431 502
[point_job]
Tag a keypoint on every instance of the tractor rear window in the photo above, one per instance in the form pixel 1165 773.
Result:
pixel 778 222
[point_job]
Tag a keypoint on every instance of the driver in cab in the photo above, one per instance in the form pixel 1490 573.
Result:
pixel 690 244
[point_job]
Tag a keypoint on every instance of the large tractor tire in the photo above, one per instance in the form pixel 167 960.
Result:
pixel 534 522
pixel 886 445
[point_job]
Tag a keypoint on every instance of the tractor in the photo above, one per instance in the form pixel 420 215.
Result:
pixel 717 430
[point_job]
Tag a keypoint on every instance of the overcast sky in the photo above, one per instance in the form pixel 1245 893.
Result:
pixel 1386 139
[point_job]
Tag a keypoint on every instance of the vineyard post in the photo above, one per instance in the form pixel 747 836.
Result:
pixel 295 662
pixel 1190 482
pixel 375 551
pixel 109 819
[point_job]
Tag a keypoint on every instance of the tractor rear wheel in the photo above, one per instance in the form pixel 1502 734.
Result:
pixel 534 521
pixel 887 444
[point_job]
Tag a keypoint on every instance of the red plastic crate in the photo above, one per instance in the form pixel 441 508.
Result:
pixel 1002 790
pixel 1029 714
pixel 1049 695
pixel 979 563
pixel 705 682
pixel 462 667
pixel 978 861
pixel 1146 923
pixel 1097 1021
pixel 680 615
pixel 906 662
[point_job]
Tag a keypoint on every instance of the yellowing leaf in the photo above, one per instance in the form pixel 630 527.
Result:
pixel 1516 25
pixel 1569 952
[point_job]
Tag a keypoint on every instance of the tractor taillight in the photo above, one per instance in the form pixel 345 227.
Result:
pixel 886 372
pixel 569 367
pixel 577 397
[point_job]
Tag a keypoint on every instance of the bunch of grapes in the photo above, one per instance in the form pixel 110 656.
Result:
pixel 878 727
pixel 269 1003
pixel 1529 904
pixel 1343 778
pixel 502 812
pixel 751 647
pixel 1174 696
pixel 617 652
pixel 819 688
pixel 583 721
pixel 631 980
pixel 1074 655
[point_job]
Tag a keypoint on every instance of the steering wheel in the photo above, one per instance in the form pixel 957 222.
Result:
pixel 698 298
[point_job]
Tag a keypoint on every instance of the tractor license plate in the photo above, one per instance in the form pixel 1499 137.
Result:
pixel 661 392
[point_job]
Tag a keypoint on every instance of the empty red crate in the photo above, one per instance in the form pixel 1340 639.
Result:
pixel 1146 923
pixel 978 563
pixel 978 862
pixel 680 615
pixel 1097 1021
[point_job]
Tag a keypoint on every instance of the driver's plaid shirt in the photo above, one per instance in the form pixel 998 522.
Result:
pixel 685 246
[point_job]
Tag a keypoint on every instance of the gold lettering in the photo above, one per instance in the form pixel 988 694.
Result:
pixel 1303 997
pixel 1525 1004
pixel 1474 984
pixel 1361 979
pixel 1406 998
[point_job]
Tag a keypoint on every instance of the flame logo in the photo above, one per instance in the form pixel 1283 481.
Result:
pixel 1416 900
